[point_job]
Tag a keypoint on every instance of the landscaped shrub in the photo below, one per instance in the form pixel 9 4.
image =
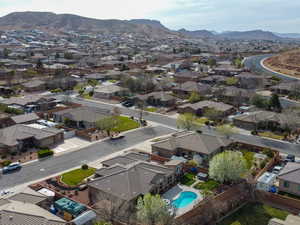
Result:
pixel 254 132
pixel 263 164
pixel 6 163
pixel 268 153
pixel 44 153
pixel 84 167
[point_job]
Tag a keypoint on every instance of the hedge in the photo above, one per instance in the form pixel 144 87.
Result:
pixel 6 163
pixel 44 153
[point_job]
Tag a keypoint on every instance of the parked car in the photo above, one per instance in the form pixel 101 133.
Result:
pixel 12 167
pixel 277 169
pixel 117 137
pixel 128 104
pixel 290 158
pixel 202 176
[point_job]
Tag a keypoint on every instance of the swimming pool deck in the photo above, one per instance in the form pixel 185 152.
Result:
pixel 174 193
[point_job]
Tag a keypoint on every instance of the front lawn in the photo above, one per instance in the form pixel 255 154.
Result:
pixel 125 124
pixel 208 185
pixel 254 214
pixel 202 120
pixel 75 177
pixel 272 135
pixel 188 179
pixel 151 109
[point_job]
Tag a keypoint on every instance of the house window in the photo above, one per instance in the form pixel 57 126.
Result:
pixel 286 184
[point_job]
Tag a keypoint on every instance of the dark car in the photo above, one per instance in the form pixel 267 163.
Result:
pixel 12 167
pixel 290 158
pixel 117 137
pixel 128 104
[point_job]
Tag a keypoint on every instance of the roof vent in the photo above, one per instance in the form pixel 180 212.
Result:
pixel 10 218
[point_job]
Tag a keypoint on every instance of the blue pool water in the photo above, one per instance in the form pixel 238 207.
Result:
pixel 185 198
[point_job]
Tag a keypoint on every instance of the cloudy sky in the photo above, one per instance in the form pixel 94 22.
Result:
pixel 218 15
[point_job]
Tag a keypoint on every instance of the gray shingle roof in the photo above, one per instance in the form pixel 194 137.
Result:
pixel 202 143
pixel 219 106
pixel 25 118
pixel 291 173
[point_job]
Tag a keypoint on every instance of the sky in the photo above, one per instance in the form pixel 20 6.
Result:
pixel 218 15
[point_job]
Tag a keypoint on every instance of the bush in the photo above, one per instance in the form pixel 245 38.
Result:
pixel 84 167
pixel 57 90
pixel 254 132
pixel 6 163
pixel 44 153
pixel 192 163
pixel 268 153
pixel 263 164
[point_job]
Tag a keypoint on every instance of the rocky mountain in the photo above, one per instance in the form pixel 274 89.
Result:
pixel 197 33
pixel 250 35
pixel 288 35
pixel 68 22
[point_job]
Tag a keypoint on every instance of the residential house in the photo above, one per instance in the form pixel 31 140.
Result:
pixel 233 95
pixel 187 75
pixel 65 83
pixel 35 85
pixel 81 117
pixel 6 91
pixel 199 108
pixel 285 88
pixel 157 99
pixel 31 103
pixel 191 145
pixel 185 89
pixel 24 209
pixel 110 91
pixel 214 79
pixel 127 178
pixel 289 179
pixel 226 69
pixel 21 137
pixel 251 81
pixel 289 220
pixel 264 120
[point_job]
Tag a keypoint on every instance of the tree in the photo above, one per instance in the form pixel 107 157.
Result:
pixel 226 130
pixel 186 121
pixel 56 55
pixel 231 81
pixel 93 82
pixel 141 105
pixel 39 65
pixel 6 52
pixel 212 114
pixel 211 62
pixel 195 97
pixel 102 223
pixel 68 55
pixel 259 102
pixel 274 103
pixel 107 124
pixel 227 167
pixel 152 210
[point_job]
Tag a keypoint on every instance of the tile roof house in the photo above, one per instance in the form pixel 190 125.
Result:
pixel 289 178
pixel 110 91
pixel 185 76
pixel 186 88
pixel 82 117
pixel 285 88
pixel 19 137
pixel 23 209
pixel 189 144
pixel 200 107
pixel 35 85
pixel 128 177
pixel 159 98
pixel 233 95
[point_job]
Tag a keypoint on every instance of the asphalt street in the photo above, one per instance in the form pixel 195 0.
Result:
pixel 47 167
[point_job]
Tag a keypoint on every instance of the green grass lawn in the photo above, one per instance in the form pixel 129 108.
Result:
pixel 269 134
pixel 75 177
pixel 254 214
pixel 125 124
pixel 188 179
pixel 202 120
pixel 151 109
pixel 208 185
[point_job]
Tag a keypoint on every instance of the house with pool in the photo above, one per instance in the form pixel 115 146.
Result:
pixel 125 178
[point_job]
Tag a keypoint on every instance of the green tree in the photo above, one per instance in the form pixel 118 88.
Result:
pixel 231 81
pixel 195 97
pixel 212 62
pixel 93 82
pixel 68 55
pixel 227 167
pixel 6 52
pixel 212 114
pixel 107 124
pixel 259 102
pixel 274 103
pixel 102 223
pixel 152 210
pixel 187 121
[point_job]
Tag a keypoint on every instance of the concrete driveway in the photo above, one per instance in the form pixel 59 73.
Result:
pixel 71 144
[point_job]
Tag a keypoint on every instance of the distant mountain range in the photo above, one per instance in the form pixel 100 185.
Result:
pixel 48 21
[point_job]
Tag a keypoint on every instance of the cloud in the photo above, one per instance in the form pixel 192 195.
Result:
pixel 276 15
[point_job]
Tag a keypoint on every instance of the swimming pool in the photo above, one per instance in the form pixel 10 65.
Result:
pixel 185 198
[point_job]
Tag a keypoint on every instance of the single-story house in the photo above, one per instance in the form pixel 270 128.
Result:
pixel 233 95
pixel 200 107
pixel 285 88
pixel 251 81
pixel 157 99
pixel 187 75
pixel 21 137
pixel 226 69
pixel 191 145
pixel 186 88
pixel 261 120
pixel 81 117
pixel 35 85
pixel 110 91
pixel 289 179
